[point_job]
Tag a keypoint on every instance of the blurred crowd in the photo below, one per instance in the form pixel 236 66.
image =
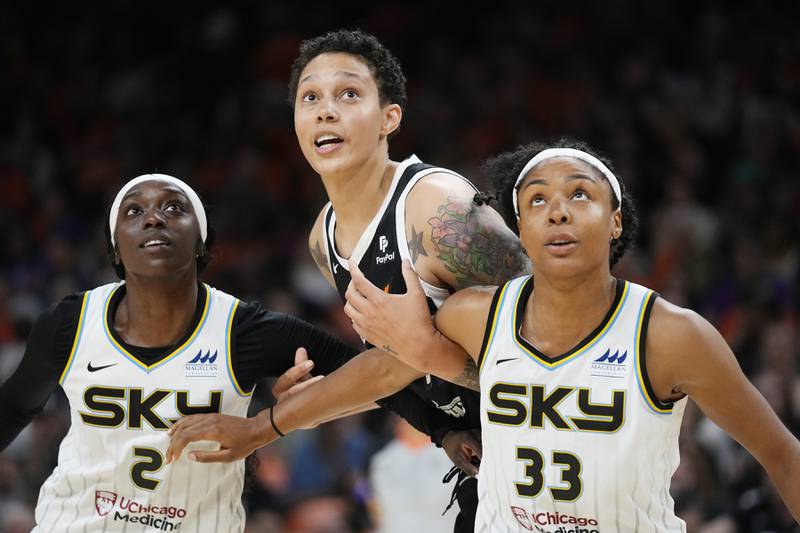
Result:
pixel 697 104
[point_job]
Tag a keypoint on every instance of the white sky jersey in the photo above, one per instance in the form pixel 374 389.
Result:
pixel 110 474
pixel 577 443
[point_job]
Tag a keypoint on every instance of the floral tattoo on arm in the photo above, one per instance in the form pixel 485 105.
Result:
pixel 474 245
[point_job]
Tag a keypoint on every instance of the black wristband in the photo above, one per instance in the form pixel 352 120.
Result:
pixel 272 421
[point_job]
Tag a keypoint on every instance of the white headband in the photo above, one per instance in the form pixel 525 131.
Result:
pixel 566 152
pixel 197 205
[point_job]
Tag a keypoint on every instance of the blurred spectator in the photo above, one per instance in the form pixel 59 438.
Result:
pixel 407 489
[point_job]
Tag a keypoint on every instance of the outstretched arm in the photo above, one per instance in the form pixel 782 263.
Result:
pixel 686 354
pixel 368 377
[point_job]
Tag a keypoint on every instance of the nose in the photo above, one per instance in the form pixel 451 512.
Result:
pixel 154 218
pixel 327 112
pixel 559 212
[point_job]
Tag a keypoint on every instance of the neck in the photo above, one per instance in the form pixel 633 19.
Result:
pixel 357 195
pixel 562 311
pixel 155 313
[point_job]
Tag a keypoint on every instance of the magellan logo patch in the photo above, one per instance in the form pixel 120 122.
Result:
pixel 610 365
pixel 202 365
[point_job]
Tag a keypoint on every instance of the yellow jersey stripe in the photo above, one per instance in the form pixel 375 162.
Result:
pixel 77 340
pixel 229 357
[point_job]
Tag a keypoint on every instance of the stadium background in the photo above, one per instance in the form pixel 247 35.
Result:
pixel 697 105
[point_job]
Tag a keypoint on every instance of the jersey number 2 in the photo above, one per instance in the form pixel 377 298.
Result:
pixel 152 461
pixel 534 467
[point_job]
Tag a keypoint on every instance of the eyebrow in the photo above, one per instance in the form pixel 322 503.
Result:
pixel 339 74
pixel 168 188
pixel 572 177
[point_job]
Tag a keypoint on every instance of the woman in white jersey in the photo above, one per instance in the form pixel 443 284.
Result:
pixel 583 378
pixel 134 356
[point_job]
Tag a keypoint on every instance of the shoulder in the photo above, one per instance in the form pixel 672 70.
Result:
pixel 675 326
pixel 436 188
pixel 466 309
pixel 316 234
pixel 67 310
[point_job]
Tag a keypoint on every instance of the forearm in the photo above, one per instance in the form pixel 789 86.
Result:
pixel 784 472
pixel 368 377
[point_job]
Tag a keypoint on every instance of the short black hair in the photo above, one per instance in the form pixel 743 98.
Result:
pixel 503 169
pixel 204 249
pixel 385 67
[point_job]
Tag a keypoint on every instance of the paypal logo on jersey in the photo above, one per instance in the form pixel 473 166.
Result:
pixel 610 364
pixel 383 244
pixel 202 365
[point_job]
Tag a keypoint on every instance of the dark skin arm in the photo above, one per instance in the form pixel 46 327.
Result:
pixel 377 373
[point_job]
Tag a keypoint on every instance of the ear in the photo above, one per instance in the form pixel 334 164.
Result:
pixel 392 115
pixel 616 225
pixel 200 249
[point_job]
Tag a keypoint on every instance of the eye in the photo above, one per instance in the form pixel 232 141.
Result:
pixel 132 210
pixel 350 94
pixel 580 194
pixel 174 207
pixel 309 97
pixel 537 200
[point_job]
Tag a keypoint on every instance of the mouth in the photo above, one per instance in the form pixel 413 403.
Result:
pixel 156 243
pixel 561 245
pixel 327 143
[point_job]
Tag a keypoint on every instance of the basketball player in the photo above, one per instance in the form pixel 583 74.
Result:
pixel 133 356
pixel 583 380
pixel 348 93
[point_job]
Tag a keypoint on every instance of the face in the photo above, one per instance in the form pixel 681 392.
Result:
pixel 338 117
pixel 566 219
pixel 157 232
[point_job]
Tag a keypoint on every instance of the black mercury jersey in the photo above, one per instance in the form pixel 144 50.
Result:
pixel 380 252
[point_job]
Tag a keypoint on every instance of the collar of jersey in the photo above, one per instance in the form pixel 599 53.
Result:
pixel 369 232
pixel 550 363
pixel 117 343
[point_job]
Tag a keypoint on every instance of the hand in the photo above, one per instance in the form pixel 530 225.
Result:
pixel 461 447
pixel 400 324
pixel 238 437
pixel 295 379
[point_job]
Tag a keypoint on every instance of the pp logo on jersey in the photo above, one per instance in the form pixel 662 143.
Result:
pixel 610 365
pixel 104 501
pixel 383 244
pixel 202 365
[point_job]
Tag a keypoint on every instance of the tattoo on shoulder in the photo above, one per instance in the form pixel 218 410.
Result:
pixel 319 257
pixel 470 377
pixel 415 245
pixel 476 247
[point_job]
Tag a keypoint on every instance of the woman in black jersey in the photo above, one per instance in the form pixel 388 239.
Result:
pixel 136 355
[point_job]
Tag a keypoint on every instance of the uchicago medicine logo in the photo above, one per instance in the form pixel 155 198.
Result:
pixel 165 518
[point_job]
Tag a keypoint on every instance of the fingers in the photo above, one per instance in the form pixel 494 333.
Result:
pixel 298 388
pixel 413 286
pixel 190 429
pixel 300 356
pixel 298 373
pixel 220 456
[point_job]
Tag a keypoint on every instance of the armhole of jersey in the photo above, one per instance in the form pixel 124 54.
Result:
pixel 641 360
pixel 491 325
pixel 327 245
pixel 77 341
pixel 228 337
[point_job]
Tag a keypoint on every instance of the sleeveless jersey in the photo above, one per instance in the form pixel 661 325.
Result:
pixel 577 443
pixel 380 252
pixel 111 474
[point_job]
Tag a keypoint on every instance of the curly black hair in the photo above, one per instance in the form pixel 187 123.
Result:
pixel 203 249
pixel 385 68
pixel 503 169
